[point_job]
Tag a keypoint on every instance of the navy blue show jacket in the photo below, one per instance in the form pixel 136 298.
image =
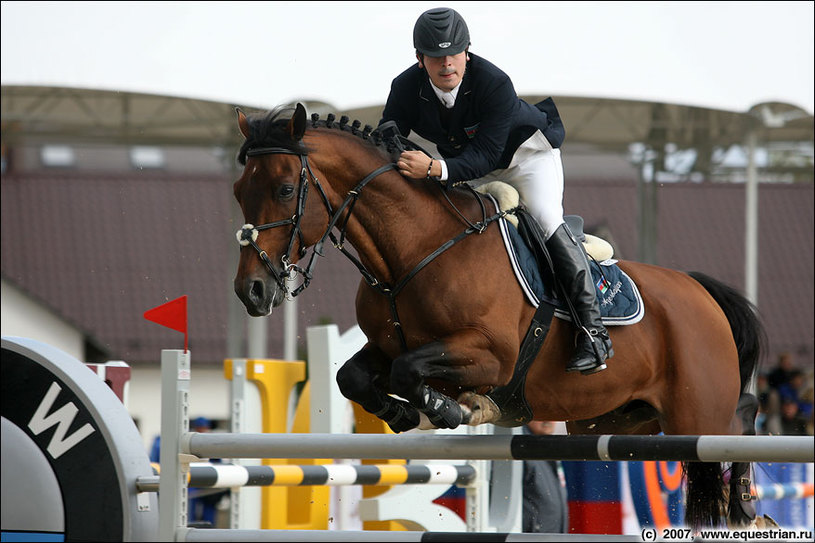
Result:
pixel 484 128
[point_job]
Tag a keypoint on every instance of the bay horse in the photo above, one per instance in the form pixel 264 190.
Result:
pixel 444 319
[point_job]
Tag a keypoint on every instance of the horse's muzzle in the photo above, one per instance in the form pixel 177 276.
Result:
pixel 259 294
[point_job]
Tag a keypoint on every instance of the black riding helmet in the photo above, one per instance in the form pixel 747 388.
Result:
pixel 440 32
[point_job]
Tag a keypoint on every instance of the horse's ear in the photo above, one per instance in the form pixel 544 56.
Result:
pixel 297 124
pixel 243 124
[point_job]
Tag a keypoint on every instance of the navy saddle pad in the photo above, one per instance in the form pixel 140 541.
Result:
pixel 620 300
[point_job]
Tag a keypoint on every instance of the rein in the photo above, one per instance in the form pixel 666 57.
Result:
pixel 248 234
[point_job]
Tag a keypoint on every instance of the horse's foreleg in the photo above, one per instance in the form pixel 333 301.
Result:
pixel 363 379
pixel 409 373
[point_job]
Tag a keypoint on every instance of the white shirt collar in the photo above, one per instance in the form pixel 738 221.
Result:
pixel 447 98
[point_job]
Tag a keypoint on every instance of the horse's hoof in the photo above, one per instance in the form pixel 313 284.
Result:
pixel 764 522
pixel 482 409
pixel 466 414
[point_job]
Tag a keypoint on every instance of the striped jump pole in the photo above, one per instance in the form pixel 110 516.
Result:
pixel 504 447
pixel 784 490
pixel 206 475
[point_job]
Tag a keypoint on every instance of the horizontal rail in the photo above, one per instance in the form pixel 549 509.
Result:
pixel 707 448
pixel 206 475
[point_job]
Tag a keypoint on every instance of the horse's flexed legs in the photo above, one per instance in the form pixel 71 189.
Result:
pixel 408 374
pixel 364 379
pixel 369 376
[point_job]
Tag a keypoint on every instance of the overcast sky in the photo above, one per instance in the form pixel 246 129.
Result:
pixel 729 55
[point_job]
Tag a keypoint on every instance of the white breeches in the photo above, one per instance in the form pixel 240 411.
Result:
pixel 536 171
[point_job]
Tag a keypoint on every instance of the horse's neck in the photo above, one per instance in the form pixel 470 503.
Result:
pixel 392 220
pixel 382 225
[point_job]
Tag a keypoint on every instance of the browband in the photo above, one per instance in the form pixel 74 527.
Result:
pixel 271 151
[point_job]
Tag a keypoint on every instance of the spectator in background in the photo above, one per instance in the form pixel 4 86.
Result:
pixel 201 425
pixel 155 450
pixel 545 505
pixel 791 388
pixel 768 420
pixel 794 392
pixel 782 372
pixel 792 423
pixel 805 405
pixel 797 390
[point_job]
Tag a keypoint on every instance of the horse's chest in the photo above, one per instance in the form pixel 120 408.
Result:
pixel 382 320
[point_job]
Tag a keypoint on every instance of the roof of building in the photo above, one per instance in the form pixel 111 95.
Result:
pixel 100 249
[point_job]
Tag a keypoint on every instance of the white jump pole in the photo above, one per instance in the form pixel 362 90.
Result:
pixel 706 448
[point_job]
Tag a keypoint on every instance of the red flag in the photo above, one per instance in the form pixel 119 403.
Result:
pixel 173 315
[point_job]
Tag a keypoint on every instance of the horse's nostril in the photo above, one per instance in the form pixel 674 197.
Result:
pixel 256 292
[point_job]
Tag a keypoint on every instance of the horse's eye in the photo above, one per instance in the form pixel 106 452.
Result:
pixel 286 192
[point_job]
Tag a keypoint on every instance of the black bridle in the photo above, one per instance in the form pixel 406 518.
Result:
pixel 248 234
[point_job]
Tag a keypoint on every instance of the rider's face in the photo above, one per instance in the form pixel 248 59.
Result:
pixel 445 72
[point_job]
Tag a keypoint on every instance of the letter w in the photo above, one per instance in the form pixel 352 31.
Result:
pixel 62 418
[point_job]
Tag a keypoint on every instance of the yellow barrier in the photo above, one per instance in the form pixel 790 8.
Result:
pixel 366 423
pixel 286 508
pixel 302 508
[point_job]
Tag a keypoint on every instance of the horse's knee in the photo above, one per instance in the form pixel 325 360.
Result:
pixel 352 380
pixel 407 380
pixel 358 383
pixel 403 374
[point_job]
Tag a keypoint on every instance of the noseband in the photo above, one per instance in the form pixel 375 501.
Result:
pixel 248 233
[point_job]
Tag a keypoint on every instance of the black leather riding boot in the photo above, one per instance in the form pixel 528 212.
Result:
pixel 572 269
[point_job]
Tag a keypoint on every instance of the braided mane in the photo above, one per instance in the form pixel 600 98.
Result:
pixel 269 130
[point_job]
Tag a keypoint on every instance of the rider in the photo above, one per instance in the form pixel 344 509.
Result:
pixel 468 107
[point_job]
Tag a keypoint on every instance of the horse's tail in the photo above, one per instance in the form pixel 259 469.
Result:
pixel 706 497
pixel 748 332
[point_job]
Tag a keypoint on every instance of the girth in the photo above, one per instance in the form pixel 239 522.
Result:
pixel 510 398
